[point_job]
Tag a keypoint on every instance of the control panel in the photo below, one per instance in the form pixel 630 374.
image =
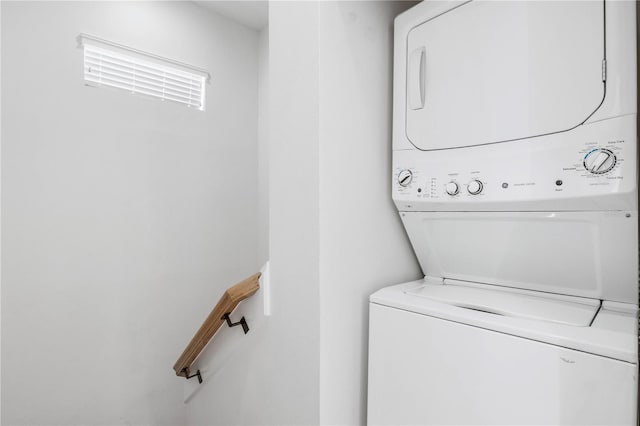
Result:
pixel 593 160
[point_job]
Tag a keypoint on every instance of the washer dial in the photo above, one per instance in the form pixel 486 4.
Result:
pixel 452 188
pixel 405 177
pixel 474 187
pixel 599 161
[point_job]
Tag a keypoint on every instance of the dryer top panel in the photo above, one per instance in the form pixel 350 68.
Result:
pixel 487 72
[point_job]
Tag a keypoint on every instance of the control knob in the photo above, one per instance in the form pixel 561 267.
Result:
pixel 452 188
pixel 474 187
pixel 405 177
pixel 599 161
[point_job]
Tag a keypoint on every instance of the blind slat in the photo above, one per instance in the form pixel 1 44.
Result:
pixel 106 62
pixel 149 67
pixel 145 91
pixel 130 76
pixel 102 68
pixel 153 91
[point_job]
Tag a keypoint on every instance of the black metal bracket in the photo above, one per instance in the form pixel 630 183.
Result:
pixel 242 322
pixel 187 376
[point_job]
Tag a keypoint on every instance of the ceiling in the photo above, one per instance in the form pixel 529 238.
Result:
pixel 253 14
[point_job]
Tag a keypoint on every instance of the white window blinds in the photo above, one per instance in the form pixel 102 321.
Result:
pixel 120 67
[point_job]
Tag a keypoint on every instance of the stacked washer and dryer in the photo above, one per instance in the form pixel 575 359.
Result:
pixel 515 175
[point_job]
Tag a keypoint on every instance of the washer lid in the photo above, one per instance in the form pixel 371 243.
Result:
pixel 490 71
pixel 574 311
pixel 615 335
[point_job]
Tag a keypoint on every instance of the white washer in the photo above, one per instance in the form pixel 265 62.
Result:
pixel 439 359
pixel 515 175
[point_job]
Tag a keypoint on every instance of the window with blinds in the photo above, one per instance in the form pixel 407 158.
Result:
pixel 119 67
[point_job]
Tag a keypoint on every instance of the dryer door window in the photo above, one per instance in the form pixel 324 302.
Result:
pixel 490 71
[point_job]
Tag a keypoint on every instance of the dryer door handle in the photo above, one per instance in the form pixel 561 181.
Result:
pixel 416 78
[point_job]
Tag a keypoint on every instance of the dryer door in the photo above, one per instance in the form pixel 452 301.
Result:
pixel 488 72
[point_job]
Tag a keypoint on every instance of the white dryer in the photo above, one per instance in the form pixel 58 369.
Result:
pixel 515 175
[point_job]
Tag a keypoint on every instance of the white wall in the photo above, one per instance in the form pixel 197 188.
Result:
pixel 363 246
pixel 123 218
pixel 227 364
pixel 263 144
pixel 273 376
pixel 0 213
pixel 335 236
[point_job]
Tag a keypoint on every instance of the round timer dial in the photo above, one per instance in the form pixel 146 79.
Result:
pixel 599 161
pixel 474 187
pixel 452 188
pixel 405 177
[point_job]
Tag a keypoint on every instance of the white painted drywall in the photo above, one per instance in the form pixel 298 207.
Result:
pixel 263 145
pixel 335 236
pixel 228 361
pixel 123 218
pixel 363 246
pixel 0 215
pixel 253 14
pixel 274 378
